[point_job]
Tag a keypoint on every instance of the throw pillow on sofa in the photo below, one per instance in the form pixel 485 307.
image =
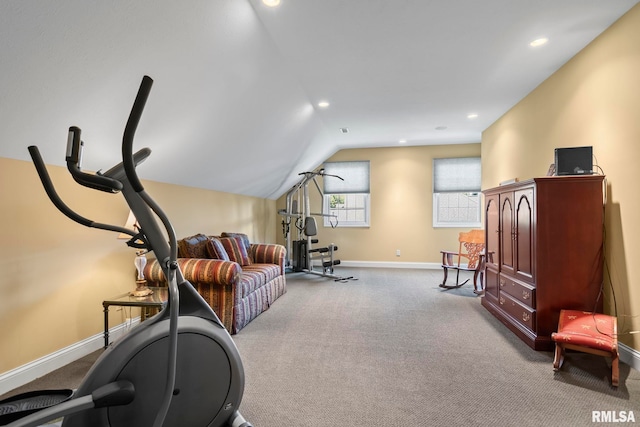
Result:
pixel 242 236
pixel 236 250
pixel 216 249
pixel 245 241
pixel 193 247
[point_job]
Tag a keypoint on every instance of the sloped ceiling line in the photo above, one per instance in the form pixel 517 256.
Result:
pixel 233 104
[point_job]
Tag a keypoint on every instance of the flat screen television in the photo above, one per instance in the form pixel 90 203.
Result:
pixel 574 161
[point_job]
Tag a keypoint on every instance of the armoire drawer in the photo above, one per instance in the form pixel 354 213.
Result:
pixel 522 292
pixel 521 313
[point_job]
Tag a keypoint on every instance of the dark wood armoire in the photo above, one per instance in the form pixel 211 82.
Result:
pixel 544 240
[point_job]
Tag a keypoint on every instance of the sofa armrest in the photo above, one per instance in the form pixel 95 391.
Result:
pixel 268 253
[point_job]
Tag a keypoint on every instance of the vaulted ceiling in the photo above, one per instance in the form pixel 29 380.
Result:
pixel 234 105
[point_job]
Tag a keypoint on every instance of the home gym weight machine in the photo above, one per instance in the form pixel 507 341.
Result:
pixel 178 368
pixel 298 212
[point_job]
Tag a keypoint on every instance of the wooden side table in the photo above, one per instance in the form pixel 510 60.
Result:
pixel 149 305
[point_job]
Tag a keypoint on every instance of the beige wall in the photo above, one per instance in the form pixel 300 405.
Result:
pixel 593 100
pixel 401 206
pixel 55 273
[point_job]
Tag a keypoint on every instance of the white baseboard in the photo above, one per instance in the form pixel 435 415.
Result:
pixel 24 374
pixel 629 356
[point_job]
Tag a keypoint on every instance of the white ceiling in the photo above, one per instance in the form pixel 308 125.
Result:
pixel 234 103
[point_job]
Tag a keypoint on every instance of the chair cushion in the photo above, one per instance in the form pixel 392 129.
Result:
pixel 236 250
pixel 583 328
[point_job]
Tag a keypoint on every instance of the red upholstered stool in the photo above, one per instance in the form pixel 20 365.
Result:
pixel 588 332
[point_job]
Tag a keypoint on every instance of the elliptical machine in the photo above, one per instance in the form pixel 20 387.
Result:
pixel 178 368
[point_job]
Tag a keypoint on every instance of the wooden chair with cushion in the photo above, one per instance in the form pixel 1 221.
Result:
pixel 470 257
pixel 587 332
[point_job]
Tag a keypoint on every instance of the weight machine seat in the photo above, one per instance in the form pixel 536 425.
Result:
pixel 593 333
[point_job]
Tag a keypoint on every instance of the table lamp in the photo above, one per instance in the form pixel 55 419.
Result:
pixel 140 261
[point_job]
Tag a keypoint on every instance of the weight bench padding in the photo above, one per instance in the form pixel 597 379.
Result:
pixel 310 228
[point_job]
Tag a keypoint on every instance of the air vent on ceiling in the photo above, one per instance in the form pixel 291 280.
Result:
pixel 344 130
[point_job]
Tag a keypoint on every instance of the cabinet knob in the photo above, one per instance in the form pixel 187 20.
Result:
pixel 526 316
pixel 502 283
pixel 526 294
pixel 501 300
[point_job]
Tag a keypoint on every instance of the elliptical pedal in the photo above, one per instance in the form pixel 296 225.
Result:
pixel 21 405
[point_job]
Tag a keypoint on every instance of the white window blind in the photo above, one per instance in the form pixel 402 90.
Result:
pixel 457 175
pixel 354 174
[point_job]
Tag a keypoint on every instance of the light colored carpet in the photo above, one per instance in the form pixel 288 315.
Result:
pixel 394 349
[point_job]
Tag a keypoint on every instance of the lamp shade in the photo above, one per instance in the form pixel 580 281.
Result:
pixel 131 224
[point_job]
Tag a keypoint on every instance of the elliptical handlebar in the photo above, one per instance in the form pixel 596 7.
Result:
pixel 58 203
pixel 166 254
pixel 74 160
pixel 111 181
pixel 168 260
pixel 51 191
pixel 130 130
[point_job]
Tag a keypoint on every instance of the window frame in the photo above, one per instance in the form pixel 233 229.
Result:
pixel 437 223
pixel 461 189
pixel 328 220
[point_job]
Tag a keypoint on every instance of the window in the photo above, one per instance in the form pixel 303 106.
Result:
pixel 456 192
pixel 347 210
pixel 346 198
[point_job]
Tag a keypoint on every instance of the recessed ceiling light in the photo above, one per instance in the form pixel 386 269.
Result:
pixel 402 141
pixel 323 104
pixel 441 127
pixel 539 42
pixel 271 3
pixel 472 116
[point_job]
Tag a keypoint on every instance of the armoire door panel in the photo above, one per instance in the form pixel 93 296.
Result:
pixel 524 257
pixel 492 228
pixel 506 233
